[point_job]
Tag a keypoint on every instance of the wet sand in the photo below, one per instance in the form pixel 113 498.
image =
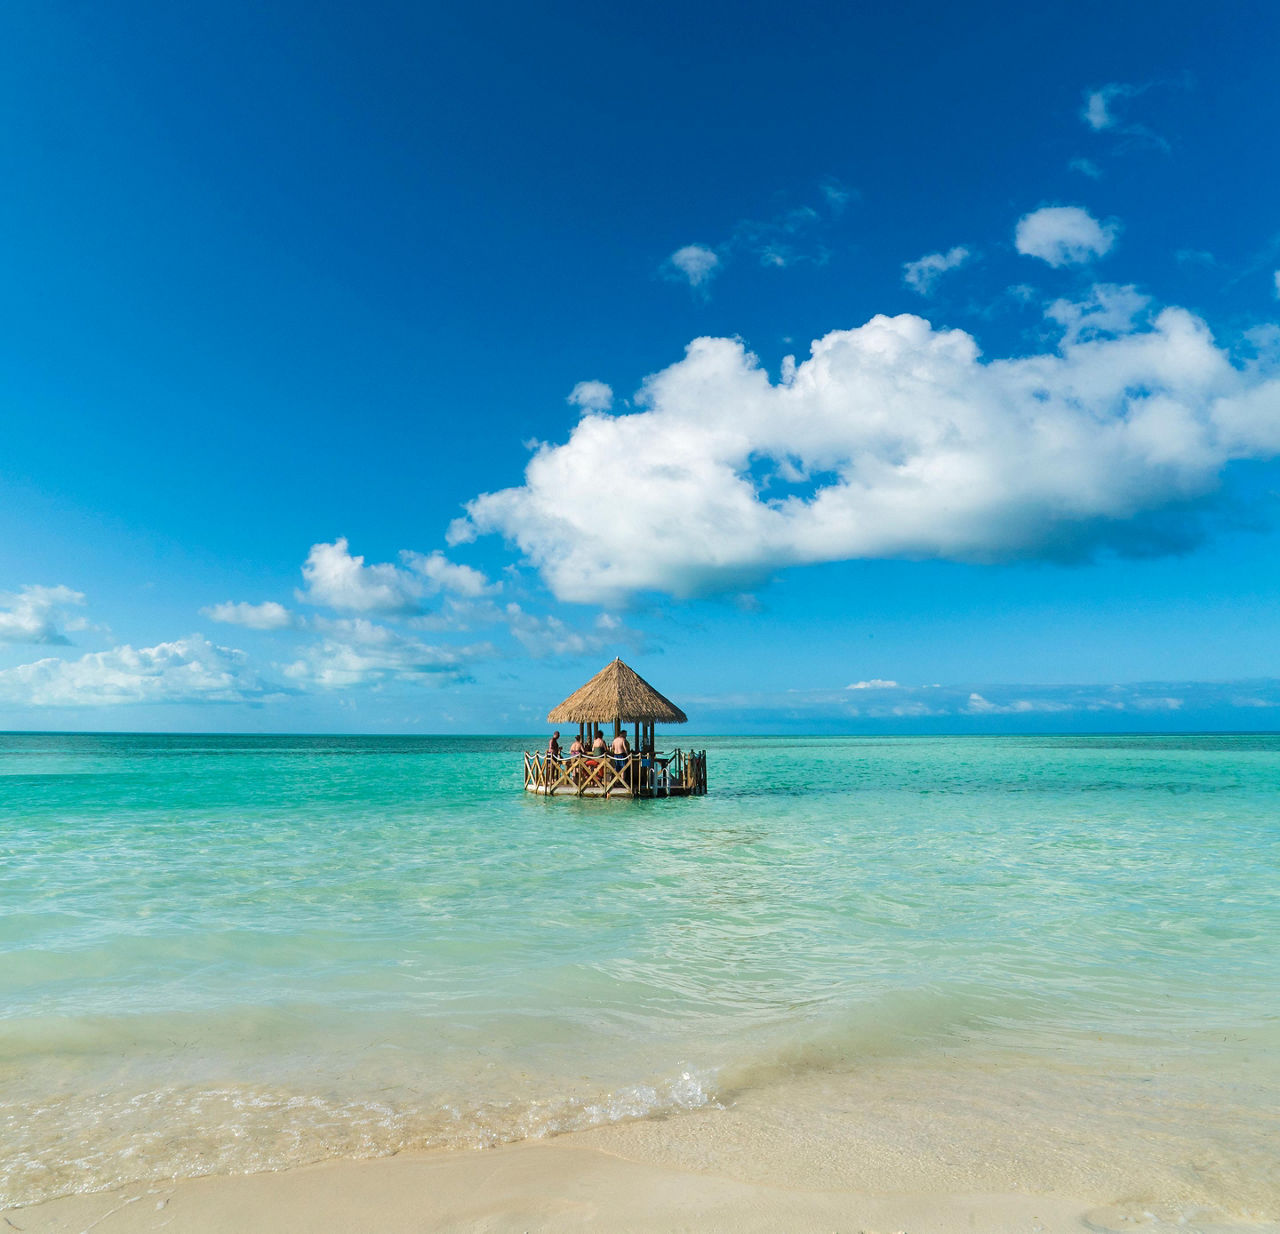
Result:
pixel 526 1187
pixel 1004 1150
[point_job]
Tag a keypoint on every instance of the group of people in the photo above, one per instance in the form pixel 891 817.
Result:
pixel 619 748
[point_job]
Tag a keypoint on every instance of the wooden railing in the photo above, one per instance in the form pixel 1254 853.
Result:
pixel 679 774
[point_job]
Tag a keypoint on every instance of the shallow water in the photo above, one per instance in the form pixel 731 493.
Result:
pixel 232 953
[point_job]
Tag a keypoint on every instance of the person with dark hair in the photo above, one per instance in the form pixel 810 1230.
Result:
pixel 620 749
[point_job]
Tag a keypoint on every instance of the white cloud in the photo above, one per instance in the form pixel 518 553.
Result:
pixel 336 579
pixel 1063 235
pixel 1108 310
pixel 187 670
pixel 591 396
pixel 876 683
pixel 442 575
pixel 1277 283
pixel 34 613
pixel 923 274
pixel 266 616
pixel 358 652
pixel 695 263
pixel 1073 706
pixel 550 636
pixel 1076 700
pixel 1018 706
pixel 893 440
pixel 1086 167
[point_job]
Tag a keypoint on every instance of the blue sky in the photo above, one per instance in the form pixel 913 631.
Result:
pixel 392 369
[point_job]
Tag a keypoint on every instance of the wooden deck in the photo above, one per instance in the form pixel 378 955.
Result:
pixel 682 773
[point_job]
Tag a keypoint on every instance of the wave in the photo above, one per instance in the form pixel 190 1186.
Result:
pixel 103 1140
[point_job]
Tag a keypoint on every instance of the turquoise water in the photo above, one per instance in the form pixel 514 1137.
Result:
pixel 230 953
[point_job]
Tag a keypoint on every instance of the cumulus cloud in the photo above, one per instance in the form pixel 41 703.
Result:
pixel 695 263
pixel 893 440
pixel 923 274
pixel 876 683
pixel 187 670
pixel 591 396
pixel 34 614
pixel 359 652
pixel 440 575
pixel 336 579
pixel 266 616
pixel 1063 235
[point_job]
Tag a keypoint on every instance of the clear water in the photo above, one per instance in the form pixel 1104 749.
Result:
pixel 237 953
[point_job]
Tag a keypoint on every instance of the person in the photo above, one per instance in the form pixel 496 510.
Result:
pixel 576 751
pixel 620 750
pixel 553 747
pixel 598 746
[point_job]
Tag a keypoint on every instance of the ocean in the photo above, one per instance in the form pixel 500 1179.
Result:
pixel 1034 961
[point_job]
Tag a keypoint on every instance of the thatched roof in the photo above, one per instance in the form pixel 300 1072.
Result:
pixel 616 692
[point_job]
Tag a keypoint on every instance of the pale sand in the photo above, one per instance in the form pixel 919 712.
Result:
pixel 533 1187
pixel 822 1154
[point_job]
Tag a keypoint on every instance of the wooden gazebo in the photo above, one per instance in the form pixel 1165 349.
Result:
pixel 617 696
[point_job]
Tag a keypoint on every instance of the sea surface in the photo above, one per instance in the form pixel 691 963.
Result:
pixel 224 953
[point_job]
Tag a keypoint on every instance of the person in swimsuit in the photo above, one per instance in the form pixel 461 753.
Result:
pixel 620 750
pixel 553 746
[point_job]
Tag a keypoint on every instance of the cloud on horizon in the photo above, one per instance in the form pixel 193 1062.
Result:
pixel 185 670
pixel 1082 707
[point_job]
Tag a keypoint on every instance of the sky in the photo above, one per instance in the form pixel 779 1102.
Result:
pixel 843 368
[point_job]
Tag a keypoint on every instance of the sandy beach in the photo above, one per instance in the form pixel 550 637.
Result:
pixel 983 1149
pixel 562 1186
pixel 570 1185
